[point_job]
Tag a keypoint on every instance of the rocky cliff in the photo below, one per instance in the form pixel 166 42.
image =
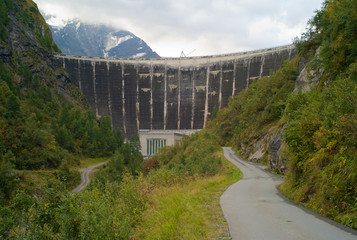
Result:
pixel 27 44
pixel 268 146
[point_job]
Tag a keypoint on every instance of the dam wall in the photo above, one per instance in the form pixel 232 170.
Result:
pixel 167 93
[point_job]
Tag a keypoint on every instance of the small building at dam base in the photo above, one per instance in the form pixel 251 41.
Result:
pixel 153 141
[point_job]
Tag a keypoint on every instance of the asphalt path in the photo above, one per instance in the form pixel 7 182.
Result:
pixel 85 180
pixel 255 209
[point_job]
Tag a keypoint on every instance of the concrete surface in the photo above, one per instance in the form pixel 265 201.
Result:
pixel 255 209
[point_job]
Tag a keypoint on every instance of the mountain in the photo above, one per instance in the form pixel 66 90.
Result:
pixel 78 38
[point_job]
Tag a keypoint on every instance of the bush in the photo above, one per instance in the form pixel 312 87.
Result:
pixel 110 213
pixel 253 109
pixel 321 141
pixel 192 156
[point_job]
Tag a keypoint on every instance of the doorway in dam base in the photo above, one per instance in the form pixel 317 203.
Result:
pixel 153 141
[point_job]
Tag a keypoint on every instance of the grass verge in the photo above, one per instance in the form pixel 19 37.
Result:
pixel 86 162
pixel 189 210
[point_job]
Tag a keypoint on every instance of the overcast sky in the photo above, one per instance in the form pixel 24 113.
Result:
pixel 206 26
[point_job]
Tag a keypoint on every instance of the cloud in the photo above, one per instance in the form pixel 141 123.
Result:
pixel 209 26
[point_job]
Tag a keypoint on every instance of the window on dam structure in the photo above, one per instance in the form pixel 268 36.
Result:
pixel 154 145
pixel 153 141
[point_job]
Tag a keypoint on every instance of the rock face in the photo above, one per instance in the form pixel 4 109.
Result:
pixel 307 78
pixel 78 38
pixel 257 146
pixel 276 158
pixel 29 44
pixel 305 81
pixel 267 147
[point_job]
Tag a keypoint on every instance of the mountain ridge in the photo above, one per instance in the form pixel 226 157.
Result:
pixel 99 40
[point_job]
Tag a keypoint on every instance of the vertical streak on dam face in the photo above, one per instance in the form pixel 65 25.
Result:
pixel 193 98
pixel 241 74
pixel 214 86
pixel 227 82
pixel 151 97
pixel 79 75
pixel 145 96
pixel 268 64
pixel 262 66
pixel 109 94
pixel 165 98
pixel 116 93
pixel 172 96
pixel 101 93
pixel 185 117
pixel 254 68
pixel 95 90
pixel 201 97
pixel 123 95
pixel 137 103
pixel 71 66
pixel 207 96
pixel 234 87
pixel 130 87
pixel 220 87
pixel 158 89
pixel 87 83
pixel 179 99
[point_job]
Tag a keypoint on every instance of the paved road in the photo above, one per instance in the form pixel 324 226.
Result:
pixel 85 176
pixel 255 209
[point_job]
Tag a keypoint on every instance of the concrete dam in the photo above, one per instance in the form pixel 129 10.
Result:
pixel 167 93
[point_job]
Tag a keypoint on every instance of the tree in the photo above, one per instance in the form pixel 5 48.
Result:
pixel 12 107
pixel 7 176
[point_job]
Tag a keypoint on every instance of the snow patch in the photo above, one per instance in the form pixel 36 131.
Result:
pixel 78 25
pixel 113 41
pixel 105 54
pixel 138 55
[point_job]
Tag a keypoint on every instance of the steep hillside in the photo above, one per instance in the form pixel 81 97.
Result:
pixel 78 38
pixel 311 135
pixel 44 121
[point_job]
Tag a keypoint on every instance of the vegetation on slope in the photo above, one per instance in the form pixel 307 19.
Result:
pixel 321 130
pixel 255 108
pixel 320 125
pixel 321 138
pixel 39 127
pixel 27 12
pixel 334 30
pixel 176 199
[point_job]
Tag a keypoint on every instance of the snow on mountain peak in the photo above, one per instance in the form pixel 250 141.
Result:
pixel 78 25
pixel 113 41
pixel 139 55
pixel 84 39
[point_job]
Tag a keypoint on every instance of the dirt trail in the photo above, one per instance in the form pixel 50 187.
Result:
pixel 85 176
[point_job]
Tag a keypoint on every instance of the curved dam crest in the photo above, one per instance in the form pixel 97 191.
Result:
pixel 167 93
